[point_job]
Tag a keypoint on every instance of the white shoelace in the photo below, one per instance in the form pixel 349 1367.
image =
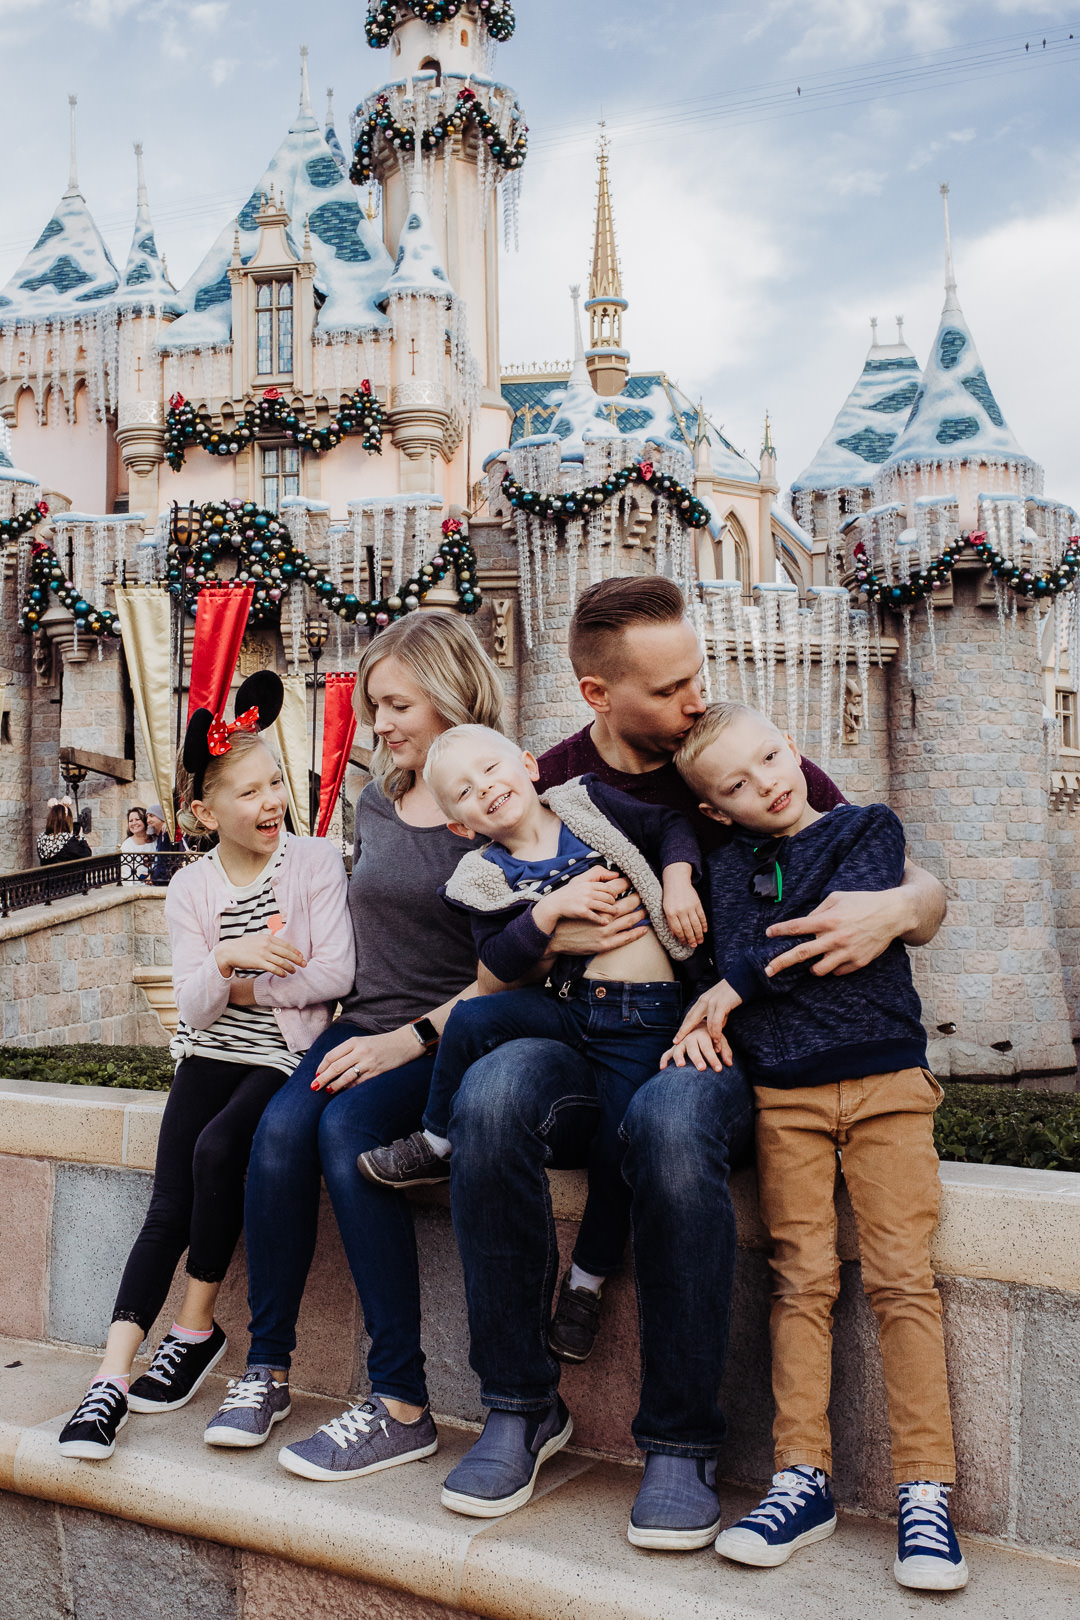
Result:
pixel 355 1424
pixel 96 1403
pixel 787 1494
pixel 924 1515
pixel 167 1358
pixel 246 1392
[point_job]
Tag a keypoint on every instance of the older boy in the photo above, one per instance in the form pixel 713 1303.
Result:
pixel 838 1066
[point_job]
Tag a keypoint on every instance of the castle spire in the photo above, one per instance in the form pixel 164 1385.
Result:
pixel 305 117
pixel 73 171
pixel 609 362
pixel 951 300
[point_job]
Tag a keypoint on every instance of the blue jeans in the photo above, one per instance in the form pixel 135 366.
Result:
pixel 306 1135
pixel 532 1105
pixel 622 1031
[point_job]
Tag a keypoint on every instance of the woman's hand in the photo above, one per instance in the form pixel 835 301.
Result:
pixel 682 908
pixel 258 953
pixel 363 1057
pixel 712 1010
pixel 698 1047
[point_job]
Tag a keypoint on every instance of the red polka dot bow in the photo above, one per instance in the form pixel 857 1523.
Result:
pixel 217 738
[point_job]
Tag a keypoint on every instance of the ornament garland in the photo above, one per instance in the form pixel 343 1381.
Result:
pixel 267 559
pixel 360 412
pixel 47 574
pixel 919 585
pixel 22 522
pixel 563 505
pixel 508 151
pixel 496 15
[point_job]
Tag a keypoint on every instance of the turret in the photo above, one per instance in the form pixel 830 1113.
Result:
pixel 609 362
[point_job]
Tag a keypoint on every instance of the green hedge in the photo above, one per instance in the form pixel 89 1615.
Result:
pixel 999 1125
pixel 139 1068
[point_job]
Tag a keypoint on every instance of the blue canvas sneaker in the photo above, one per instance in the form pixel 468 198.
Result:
pixel 797 1510
pixel 928 1556
pixel 676 1508
pixel 499 1472
pixel 361 1441
pixel 249 1411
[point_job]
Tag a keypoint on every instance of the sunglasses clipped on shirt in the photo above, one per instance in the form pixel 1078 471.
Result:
pixel 767 880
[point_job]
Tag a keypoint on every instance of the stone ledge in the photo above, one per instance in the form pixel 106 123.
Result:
pixel 73 907
pixel 997 1222
pixel 565 1555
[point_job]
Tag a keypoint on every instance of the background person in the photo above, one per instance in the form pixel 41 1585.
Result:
pixel 162 870
pixel 61 840
pixel 137 840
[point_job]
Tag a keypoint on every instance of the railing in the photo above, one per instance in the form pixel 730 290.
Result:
pixel 43 884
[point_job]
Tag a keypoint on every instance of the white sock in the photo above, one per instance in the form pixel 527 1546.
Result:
pixel 189 1335
pixel 585 1279
pixel 437 1144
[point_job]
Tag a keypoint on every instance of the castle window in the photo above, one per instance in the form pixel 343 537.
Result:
pixel 280 474
pixel 274 327
pixel 431 65
pixel 1065 705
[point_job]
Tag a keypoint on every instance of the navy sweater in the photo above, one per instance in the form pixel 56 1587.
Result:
pixel 798 1029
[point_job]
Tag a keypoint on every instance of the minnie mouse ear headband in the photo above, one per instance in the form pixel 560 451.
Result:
pixel 257 706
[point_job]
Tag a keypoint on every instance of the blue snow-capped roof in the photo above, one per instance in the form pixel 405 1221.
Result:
pixel 954 416
pixel 649 407
pixel 67 272
pixel 330 136
pixel 418 267
pixel 351 263
pixel 869 423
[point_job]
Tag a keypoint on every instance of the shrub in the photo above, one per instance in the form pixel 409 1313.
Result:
pixel 999 1125
pixel 140 1068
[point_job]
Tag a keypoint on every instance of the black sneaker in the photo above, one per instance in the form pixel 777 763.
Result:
pixel 411 1161
pixel 177 1370
pixel 572 1329
pixel 92 1428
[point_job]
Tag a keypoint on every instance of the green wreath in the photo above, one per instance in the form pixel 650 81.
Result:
pixel 360 412
pixel 496 15
pixel 509 152
pixel 580 502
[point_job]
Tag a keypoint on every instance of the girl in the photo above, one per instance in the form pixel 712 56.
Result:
pixel 262 949
pixel 365 1081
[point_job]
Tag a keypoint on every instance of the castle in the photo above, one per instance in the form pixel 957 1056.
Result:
pixel 334 362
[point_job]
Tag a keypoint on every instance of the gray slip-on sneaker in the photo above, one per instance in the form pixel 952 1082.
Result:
pixel 362 1440
pixel 676 1508
pixel 498 1473
pixel 249 1411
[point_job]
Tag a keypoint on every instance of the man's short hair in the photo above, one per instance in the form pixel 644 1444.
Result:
pixel 605 612
pixel 704 732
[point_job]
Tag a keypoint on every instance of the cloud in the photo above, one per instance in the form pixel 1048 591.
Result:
pixel 103 13
pixel 930 149
pixel 222 69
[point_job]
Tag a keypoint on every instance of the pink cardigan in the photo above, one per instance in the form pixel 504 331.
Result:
pixel 310 888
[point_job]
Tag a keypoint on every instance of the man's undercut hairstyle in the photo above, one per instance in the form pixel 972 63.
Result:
pixel 708 726
pixel 441 753
pixel 606 611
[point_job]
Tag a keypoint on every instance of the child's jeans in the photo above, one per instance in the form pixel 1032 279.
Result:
pixel 623 1029
pixel 883 1128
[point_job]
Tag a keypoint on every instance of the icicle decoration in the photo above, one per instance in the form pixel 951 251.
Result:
pixel 806 664
pixel 752 619
pixel 521 527
pixel 738 626
pixel 843 630
pixel 575 532
pixel 826 615
pixel 334 537
pixel 931 629
pixel 789 628
pixel 860 626
pixel 397 544
pixel 594 530
pixel 536 554
pixel 511 205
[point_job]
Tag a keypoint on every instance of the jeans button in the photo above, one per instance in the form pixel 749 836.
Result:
pixel 600 993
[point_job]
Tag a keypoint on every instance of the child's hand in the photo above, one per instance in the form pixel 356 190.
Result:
pixel 712 1010
pixel 258 953
pixel 590 897
pixel 698 1047
pixel 682 908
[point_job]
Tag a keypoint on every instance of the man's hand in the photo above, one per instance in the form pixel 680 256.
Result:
pixel 849 931
pixel 711 1012
pixel 682 908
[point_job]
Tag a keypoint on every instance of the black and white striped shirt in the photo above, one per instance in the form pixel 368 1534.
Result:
pixel 248 1035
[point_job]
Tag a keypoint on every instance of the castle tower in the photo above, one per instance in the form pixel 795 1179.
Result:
pixel 609 362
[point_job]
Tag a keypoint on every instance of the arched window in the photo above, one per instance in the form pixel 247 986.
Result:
pixel 735 535
pixel 430 64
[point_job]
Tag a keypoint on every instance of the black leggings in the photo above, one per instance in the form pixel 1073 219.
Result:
pixel 198 1198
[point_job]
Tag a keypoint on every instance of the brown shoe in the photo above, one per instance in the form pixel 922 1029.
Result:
pixel 572 1329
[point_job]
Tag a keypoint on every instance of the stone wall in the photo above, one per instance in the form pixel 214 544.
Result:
pixel 66 969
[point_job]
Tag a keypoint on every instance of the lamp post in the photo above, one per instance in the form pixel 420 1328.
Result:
pixel 316 631
pixel 73 774
pixel 183 530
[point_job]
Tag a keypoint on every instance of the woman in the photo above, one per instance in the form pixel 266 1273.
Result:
pixel 137 840
pixel 365 1081
pixel 59 841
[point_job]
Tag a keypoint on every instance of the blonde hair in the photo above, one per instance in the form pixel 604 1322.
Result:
pixel 708 726
pixel 241 744
pixel 451 668
pixel 444 745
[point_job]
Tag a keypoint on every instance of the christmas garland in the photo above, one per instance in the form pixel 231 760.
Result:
pixel 47 574
pixel 922 583
pixel 267 559
pixel 496 15
pixel 360 413
pixel 11 528
pixel 580 502
pixel 509 152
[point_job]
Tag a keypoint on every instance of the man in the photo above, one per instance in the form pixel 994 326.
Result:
pixel 532 1104
pixel 161 871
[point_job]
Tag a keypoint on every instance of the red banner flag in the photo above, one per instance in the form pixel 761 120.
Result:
pixel 221 618
pixel 339 727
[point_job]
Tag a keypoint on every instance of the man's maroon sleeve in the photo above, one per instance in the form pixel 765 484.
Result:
pixel 822 792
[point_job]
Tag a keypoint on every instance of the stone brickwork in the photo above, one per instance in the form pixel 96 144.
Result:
pixel 66 969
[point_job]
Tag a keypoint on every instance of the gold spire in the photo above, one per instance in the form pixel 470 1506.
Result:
pixel 605 280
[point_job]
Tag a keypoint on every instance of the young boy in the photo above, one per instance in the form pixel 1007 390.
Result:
pixel 838 1065
pixel 568 855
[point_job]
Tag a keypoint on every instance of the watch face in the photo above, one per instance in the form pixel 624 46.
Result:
pixel 426 1033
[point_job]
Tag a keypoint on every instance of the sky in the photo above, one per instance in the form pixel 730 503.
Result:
pixel 774 165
